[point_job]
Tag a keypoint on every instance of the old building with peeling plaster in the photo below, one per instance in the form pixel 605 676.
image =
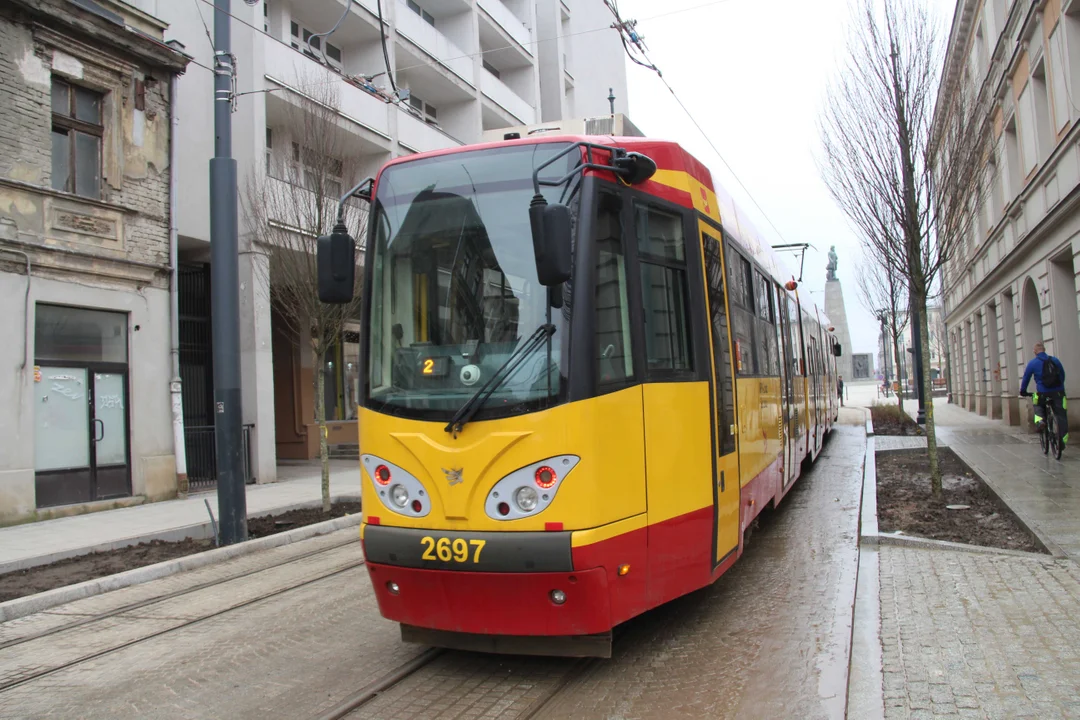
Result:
pixel 84 257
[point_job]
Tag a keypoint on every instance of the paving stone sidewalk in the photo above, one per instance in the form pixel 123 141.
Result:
pixel 979 636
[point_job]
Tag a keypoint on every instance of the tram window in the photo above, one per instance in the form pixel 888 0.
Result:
pixel 768 355
pixel 659 234
pixel 738 269
pixel 725 391
pixel 663 299
pixel 615 362
pixel 761 298
pixel 743 323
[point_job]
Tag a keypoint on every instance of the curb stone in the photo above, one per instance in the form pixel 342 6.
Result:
pixel 20 607
pixel 196 531
pixel 865 688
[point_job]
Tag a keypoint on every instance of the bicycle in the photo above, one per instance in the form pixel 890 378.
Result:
pixel 1049 437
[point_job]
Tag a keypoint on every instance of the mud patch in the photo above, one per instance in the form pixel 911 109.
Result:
pixel 890 420
pixel 905 503
pixel 95 565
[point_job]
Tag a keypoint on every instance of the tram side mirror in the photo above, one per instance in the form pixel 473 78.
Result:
pixel 635 168
pixel 336 265
pixel 551 241
pixel 837 350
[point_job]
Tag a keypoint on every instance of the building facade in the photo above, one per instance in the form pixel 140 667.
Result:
pixel 85 114
pixel 457 68
pixel 1016 280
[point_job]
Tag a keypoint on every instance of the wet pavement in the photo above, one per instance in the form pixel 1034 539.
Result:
pixel 979 636
pixel 290 635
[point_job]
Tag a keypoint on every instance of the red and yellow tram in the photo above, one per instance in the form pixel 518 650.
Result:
pixel 583 377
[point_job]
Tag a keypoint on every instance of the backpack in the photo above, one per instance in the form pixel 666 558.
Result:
pixel 1051 375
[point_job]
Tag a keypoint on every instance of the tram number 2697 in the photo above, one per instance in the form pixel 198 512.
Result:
pixel 456 550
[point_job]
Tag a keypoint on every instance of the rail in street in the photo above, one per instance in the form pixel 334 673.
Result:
pixel 295 633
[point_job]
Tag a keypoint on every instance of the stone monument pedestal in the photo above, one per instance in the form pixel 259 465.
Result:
pixel 834 309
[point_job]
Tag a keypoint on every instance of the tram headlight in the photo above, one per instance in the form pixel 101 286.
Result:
pixel 529 490
pixel 396 488
pixel 526 498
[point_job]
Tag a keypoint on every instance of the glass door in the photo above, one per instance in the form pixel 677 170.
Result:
pixel 110 435
pixel 62 436
pixel 80 405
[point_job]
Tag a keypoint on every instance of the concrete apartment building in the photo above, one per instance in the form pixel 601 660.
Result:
pixel 461 67
pixel 1016 280
pixel 85 114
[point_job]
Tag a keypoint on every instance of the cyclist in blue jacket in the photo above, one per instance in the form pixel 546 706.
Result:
pixel 1050 388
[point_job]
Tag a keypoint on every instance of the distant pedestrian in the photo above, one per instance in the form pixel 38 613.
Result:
pixel 840 389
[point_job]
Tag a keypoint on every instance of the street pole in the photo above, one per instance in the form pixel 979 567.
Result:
pixel 225 288
pixel 916 362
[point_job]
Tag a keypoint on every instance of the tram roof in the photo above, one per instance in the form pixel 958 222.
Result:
pixel 668 155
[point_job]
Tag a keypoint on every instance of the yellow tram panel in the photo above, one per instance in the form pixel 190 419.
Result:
pixel 758 421
pixel 678 449
pixel 607 485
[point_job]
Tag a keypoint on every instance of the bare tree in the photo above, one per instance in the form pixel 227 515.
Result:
pixel 910 181
pixel 292 201
pixel 884 294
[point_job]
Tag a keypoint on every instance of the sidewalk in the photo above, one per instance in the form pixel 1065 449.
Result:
pixel 978 635
pixel 31 544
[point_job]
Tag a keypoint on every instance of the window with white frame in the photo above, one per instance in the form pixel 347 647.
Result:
pixel 266 16
pixel 304 40
pixel 1025 112
pixel 1059 80
pixel 1012 158
pixel 415 7
pixel 424 107
pixel 316 172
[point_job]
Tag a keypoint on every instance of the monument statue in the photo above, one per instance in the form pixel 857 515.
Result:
pixel 830 269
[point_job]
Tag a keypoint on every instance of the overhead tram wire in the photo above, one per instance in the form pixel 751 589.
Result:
pixel 629 36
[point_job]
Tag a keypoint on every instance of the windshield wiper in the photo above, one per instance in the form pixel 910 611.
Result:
pixel 474 403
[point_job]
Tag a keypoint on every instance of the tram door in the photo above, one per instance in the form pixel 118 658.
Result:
pixel 726 488
pixel 787 387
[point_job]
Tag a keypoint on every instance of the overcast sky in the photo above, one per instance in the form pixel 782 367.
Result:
pixel 754 74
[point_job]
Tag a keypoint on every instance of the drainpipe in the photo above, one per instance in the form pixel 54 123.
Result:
pixel 179 449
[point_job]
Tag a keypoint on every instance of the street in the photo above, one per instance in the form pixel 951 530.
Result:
pixel 294 631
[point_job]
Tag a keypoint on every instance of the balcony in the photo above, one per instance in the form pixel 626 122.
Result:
pixel 418 136
pixel 509 101
pixel 428 38
pixel 509 22
pixel 295 71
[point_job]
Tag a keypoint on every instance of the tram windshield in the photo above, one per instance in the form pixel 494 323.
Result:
pixel 454 289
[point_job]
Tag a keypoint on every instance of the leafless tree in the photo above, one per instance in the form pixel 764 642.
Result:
pixel 884 294
pixel 910 180
pixel 292 201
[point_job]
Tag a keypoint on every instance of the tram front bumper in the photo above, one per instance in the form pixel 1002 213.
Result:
pixel 494 603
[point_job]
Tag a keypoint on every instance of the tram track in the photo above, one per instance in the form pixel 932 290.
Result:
pixel 359 703
pixel 369 692
pixel 137 605
pixel 40 672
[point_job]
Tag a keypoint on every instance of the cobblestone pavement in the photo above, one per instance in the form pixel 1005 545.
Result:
pixel 289 656
pixel 899 442
pixel 770 639
pixel 979 636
